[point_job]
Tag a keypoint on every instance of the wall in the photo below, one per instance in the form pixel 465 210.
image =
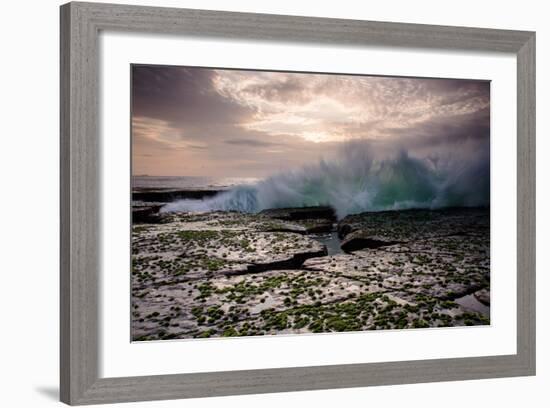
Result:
pixel 29 169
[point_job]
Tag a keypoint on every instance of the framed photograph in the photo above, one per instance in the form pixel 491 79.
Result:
pixel 261 203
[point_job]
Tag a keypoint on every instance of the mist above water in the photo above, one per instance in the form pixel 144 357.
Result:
pixel 368 176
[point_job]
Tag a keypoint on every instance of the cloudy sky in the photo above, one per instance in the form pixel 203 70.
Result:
pixel 234 123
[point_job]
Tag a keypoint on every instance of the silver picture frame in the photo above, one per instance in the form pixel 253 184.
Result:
pixel 81 24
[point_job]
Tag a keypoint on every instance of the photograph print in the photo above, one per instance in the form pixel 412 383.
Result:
pixel 286 203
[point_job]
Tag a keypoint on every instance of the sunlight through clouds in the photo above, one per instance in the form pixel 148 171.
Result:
pixel 238 122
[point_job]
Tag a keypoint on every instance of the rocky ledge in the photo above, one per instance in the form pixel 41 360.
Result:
pixel 234 274
pixel 165 195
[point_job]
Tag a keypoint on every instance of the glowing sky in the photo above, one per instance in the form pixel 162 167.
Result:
pixel 235 123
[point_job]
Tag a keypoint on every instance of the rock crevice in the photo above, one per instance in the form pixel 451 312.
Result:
pixel 234 274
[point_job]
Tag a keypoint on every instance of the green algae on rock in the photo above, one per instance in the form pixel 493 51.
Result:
pixel 217 274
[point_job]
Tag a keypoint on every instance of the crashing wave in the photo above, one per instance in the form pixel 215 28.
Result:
pixel 365 177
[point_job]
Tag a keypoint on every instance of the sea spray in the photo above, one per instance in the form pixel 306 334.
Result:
pixel 365 177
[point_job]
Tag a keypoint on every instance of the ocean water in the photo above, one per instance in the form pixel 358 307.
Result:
pixel 189 182
pixel 361 179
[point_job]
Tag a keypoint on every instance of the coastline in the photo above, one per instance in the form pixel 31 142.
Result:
pixel 234 274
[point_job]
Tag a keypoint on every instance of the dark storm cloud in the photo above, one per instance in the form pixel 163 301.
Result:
pixel 446 130
pixel 183 96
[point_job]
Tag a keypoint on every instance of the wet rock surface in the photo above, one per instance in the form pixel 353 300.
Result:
pixel 303 213
pixel 408 225
pixel 168 194
pixel 362 239
pixel 233 274
pixel 148 213
pixel 483 296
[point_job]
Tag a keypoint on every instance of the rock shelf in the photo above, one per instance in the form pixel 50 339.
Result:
pixel 233 274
